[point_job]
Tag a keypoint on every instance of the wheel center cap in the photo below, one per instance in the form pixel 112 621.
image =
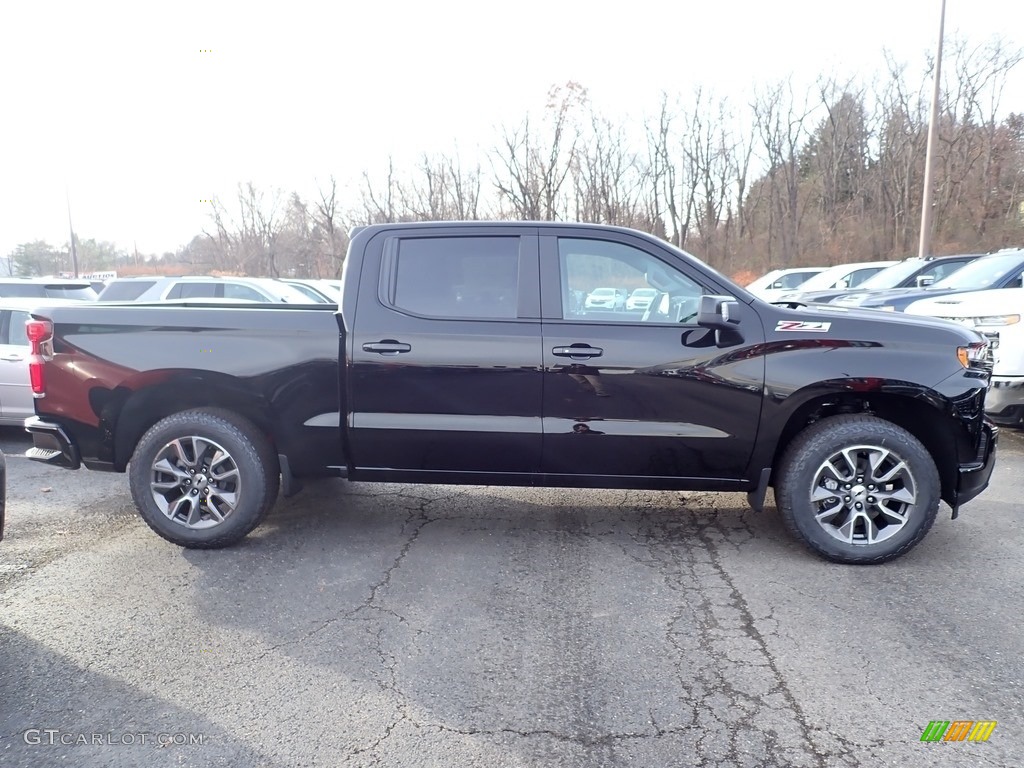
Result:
pixel 200 482
pixel 859 492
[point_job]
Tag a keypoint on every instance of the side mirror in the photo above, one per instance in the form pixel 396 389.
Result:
pixel 923 280
pixel 721 312
pixel 777 284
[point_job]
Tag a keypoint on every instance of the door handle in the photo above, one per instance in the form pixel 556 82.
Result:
pixel 578 351
pixel 12 358
pixel 386 347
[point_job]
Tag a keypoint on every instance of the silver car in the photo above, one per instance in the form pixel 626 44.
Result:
pixel 16 401
pixel 159 288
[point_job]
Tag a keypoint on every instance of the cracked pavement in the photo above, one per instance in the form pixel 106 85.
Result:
pixel 410 625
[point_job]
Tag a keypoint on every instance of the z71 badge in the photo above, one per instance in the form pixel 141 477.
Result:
pixel 800 325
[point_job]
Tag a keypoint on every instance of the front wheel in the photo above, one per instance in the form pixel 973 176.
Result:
pixel 203 478
pixel 857 489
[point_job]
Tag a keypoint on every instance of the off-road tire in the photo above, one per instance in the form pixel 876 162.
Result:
pixel 801 468
pixel 256 472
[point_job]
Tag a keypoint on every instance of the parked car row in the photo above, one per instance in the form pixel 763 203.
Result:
pixel 982 291
pixel 19 295
pixel 165 288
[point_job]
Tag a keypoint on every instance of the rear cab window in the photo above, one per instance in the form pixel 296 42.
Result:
pixel 456 277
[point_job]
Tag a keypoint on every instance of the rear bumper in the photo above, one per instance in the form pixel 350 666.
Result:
pixel 975 475
pixel 51 445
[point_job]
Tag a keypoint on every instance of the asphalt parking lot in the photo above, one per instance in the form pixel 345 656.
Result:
pixel 451 626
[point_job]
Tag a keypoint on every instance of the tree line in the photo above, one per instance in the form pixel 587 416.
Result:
pixel 789 176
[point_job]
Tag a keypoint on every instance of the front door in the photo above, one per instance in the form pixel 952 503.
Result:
pixel 643 394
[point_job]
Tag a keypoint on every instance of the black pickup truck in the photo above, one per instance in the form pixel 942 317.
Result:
pixel 468 353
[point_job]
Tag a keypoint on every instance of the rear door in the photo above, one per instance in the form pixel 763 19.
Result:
pixel 646 396
pixel 16 401
pixel 445 354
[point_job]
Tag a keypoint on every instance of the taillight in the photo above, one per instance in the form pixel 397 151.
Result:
pixel 39 332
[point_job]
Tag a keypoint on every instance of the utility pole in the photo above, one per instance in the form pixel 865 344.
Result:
pixel 924 249
pixel 74 248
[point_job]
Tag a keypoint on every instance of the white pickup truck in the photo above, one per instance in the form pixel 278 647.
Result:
pixel 997 314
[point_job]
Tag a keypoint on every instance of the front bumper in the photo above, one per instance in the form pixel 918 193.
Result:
pixel 1004 394
pixel 975 475
pixel 51 445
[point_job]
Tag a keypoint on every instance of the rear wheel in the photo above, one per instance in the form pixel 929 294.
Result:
pixel 858 489
pixel 203 478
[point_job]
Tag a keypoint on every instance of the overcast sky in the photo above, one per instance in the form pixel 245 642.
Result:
pixel 138 115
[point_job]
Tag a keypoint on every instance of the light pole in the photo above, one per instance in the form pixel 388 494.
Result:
pixel 74 250
pixel 924 248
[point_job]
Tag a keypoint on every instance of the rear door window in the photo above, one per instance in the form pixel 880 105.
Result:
pixel 197 291
pixel 29 290
pixel 14 333
pixel 239 291
pixel 457 277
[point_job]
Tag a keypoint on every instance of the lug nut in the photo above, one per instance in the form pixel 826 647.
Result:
pixel 871 499
pixel 858 505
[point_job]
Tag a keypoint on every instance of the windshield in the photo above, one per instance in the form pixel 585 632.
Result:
pixel 830 278
pixel 125 290
pixel 982 273
pixel 892 276
pixel 309 292
pixel 645 292
pixel 603 292
pixel 285 292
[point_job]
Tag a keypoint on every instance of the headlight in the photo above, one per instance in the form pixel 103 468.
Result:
pixel 997 320
pixel 886 308
pixel 974 355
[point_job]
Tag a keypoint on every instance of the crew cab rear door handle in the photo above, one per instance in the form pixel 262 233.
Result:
pixel 577 351
pixel 386 347
pixel 12 358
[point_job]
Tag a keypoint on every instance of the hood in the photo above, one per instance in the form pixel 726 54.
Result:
pixel 853 322
pixel 817 296
pixel 880 296
pixel 887 296
pixel 999 301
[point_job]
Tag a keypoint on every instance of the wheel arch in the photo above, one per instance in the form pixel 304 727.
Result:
pixel 142 409
pixel 913 413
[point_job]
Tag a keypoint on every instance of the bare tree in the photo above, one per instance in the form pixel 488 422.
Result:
pixel 247 242
pixel 608 178
pixel 330 238
pixel 534 159
pixel 780 123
